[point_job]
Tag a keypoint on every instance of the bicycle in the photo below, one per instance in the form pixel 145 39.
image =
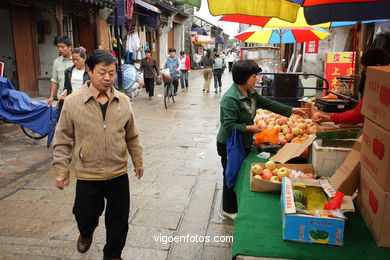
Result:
pixel 26 131
pixel 168 90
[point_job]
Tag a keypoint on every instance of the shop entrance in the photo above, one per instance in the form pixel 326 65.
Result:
pixel 7 54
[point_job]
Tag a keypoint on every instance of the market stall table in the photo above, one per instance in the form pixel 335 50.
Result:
pixel 258 229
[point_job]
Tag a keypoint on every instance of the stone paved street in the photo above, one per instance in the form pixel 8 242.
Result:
pixel 179 194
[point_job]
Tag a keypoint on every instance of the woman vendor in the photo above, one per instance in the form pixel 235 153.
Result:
pixel 237 110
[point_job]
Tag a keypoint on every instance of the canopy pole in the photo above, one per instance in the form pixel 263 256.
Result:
pixel 280 52
pixel 118 38
pixel 357 56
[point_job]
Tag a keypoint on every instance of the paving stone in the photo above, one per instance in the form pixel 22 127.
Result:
pixel 157 203
pixel 146 237
pixel 216 253
pixel 33 228
pixel 223 232
pixel 133 253
pixel 27 195
pixel 159 219
pixel 36 210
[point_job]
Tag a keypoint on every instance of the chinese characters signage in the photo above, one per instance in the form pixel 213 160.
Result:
pixel 338 64
pixel 311 47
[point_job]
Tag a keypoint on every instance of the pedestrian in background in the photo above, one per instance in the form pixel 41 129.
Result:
pixel 185 65
pixel 151 71
pixel 173 64
pixel 232 56
pixel 207 71
pixel 95 132
pixel 217 73
pixel 77 75
pixel 60 64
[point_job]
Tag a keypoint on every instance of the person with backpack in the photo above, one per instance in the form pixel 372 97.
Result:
pixel 217 72
pixel 173 64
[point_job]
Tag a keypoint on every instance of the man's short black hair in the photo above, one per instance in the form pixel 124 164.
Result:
pixel 99 56
pixel 375 56
pixel 182 53
pixel 63 39
pixel 243 69
pixel 216 55
pixel 147 51
pixel 171 50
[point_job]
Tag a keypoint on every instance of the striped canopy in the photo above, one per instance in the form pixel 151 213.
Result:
pixel 256 34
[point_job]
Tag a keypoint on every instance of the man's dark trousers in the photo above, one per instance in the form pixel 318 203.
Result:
pixel 89 205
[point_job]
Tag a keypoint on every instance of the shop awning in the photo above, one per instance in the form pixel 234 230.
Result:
pixel 202 39
pixel 147 6
pixel 102 3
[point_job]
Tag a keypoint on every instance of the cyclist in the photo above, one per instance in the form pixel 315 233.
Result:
pixel 173 64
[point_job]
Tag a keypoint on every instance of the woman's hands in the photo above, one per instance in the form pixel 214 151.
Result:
pixel 319 117
pixel 253 128
pixel 303 112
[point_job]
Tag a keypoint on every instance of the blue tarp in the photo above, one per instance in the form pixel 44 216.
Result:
pixel 19 108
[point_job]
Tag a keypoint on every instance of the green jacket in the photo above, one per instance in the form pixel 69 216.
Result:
pixel 238 111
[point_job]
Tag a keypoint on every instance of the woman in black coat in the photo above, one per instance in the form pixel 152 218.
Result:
pixel 151 71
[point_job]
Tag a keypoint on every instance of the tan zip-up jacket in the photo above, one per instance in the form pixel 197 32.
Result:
pixel 98 148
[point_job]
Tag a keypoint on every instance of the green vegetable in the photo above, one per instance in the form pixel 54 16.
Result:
pixel 299 196
pixel 300 205
pixel 319 234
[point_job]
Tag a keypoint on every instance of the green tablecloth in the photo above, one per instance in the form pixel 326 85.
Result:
pixel 258 229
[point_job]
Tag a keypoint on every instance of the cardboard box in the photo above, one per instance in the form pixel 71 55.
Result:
pixel 292 150
pixel 376 102
pixel 346 178
pixel 267 186
pixel 302 227
pixel 375 155
pixel 374 205
pixel 329 155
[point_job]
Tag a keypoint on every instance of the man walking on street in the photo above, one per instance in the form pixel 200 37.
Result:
pixel 60 64
pixel 185 65
pixel 95 131
pixel 208 71
pixel 173 64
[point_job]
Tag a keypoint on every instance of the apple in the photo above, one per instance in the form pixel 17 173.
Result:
pixel 282 141
pixel 278 116
pixel 290 123
pixel 274 179
pixel 258 177
pixel 296 131
pixel 272 122
pixel 302 125
pixel 270 165
pixel 275 171
pixel 301 132
pixel 267 174
pixel 277 127
pixel 285 126
pixel 289 137
pixel 282 121
pixel 257 169
pixel 267 121
pixel 270 126
pixel 286 131
pixel 283 172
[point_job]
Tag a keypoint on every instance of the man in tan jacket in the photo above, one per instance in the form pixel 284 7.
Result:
pixel 96 130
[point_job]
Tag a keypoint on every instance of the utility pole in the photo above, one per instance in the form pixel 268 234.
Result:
pixel 118 38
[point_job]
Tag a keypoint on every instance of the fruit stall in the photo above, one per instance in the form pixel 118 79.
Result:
pixel 309 190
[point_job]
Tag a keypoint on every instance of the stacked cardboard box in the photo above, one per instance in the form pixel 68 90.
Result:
pixel 374 188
